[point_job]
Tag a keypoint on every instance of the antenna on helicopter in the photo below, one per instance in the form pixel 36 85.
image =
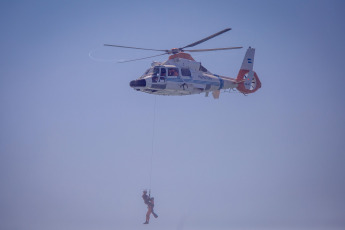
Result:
pixel 179 50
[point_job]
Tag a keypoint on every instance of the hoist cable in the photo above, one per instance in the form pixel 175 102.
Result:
pixel 153 138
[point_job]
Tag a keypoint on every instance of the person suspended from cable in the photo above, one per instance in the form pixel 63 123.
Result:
pixel 150 202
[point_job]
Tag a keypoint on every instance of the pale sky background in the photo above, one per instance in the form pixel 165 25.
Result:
pixel 76 140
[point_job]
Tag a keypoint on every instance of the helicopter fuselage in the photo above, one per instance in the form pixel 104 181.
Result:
pixel 181 75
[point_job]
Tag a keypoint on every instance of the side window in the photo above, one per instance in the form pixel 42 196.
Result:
pixel 186 72
pixel 163 72
pixel 163 75
pixel 172 71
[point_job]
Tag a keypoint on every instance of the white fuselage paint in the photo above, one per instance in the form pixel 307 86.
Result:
pixel 199 81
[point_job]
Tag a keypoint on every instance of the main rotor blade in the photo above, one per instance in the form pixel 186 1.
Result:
pixel 208 38
pixel 203 50
pixel 141 58
pixel 129 47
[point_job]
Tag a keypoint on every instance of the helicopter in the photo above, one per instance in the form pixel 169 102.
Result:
pixel 182 75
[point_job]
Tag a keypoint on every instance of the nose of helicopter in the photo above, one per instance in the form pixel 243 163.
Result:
pixel 138 83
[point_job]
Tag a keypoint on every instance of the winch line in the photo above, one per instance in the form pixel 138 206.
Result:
pixel 153 138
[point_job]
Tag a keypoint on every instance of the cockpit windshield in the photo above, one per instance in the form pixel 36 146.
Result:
pixel 203 69
pixel 155 71
pixel 147 72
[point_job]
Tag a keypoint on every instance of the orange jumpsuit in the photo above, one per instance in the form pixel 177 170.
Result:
pixel 150 206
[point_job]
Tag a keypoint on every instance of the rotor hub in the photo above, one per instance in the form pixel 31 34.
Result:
pixel 175 50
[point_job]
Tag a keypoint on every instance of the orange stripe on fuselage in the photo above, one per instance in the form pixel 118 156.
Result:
pixel 181 55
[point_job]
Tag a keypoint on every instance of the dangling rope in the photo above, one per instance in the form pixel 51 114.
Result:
pixel 153 138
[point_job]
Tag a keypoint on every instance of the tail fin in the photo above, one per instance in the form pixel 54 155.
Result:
pixel 247 79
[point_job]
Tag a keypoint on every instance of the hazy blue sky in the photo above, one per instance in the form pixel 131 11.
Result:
pixel 76 140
